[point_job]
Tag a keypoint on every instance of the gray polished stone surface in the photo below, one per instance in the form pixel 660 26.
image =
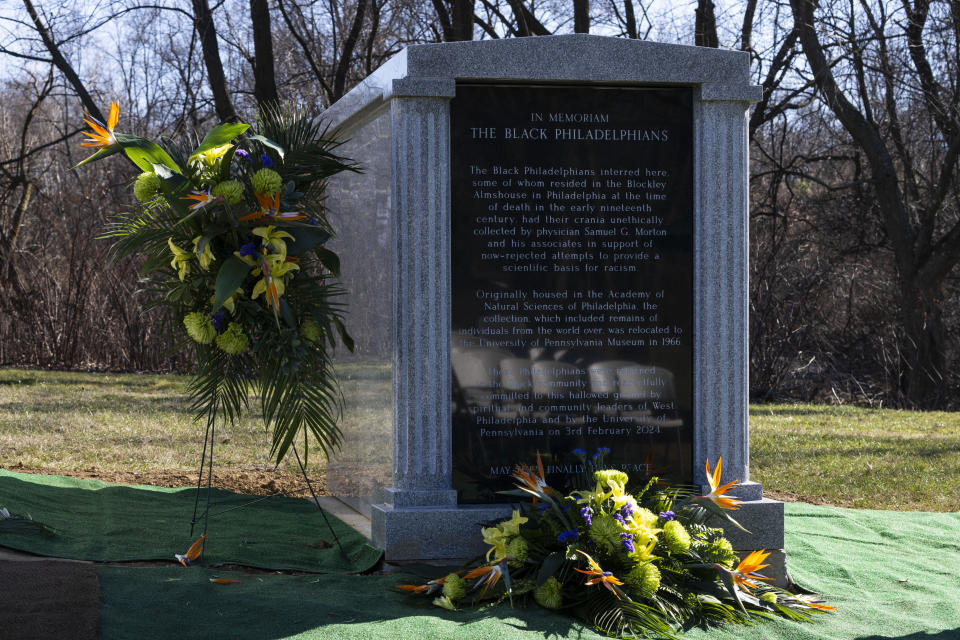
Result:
pixel 408 99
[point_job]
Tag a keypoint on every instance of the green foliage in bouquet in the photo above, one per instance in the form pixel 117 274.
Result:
pixel 232 232
pixel 634 565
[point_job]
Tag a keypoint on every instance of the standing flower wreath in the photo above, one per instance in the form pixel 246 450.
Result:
pixel 233 235
pixel 633 565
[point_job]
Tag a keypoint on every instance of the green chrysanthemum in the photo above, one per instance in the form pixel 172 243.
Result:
pixel 643 580
pixel 200 327
pixel 229 189
pixel 234 341
pixel 517 549
pixel 445 603
pixel 310 331
pixel 548 594
pixel 675 537
pixel 719 552
pixel 607 475
pixel 605 532
pixel 454 587
pixel 769 596
pixel 266 181
pixel 147 186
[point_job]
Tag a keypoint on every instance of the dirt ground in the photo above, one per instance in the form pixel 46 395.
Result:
pixel 47 598
pixel 250 481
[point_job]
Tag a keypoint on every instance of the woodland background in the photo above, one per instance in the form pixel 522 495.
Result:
pixel 854 187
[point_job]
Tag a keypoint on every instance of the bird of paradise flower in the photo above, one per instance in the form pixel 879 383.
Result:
pixel 270 207
pixel 102 136
pixel 606 578
pixel 192 553
pixel 716 495
pixel 490 575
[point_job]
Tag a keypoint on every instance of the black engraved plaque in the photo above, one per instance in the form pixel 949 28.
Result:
pixel 572 257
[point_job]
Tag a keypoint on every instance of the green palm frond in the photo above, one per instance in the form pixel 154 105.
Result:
pixel 144 229
pixel 221 384
pixel 626 618
pixel 308 145
pixel 301 397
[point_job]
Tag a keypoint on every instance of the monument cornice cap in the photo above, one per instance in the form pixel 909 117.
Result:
pixel 730 93
pixel 421 88
pixel 578 58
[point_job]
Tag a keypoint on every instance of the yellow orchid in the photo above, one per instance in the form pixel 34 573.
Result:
pixel 643 547
pixel 230 304
pixel 181 259
pixel 206 257
pixel 644 535
pixel 274 239
pixel 716 494
pixel 600 576
pixel 273 269
pixel 744 575
pixel 511 527
pixel 495 537
pixel 211 156
pixel 102 136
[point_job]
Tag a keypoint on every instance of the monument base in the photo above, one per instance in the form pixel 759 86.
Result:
pixel 432 533
pixel 428 526
pixel 763 520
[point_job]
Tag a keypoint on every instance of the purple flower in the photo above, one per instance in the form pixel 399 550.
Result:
pixel 265 160
pixel 587 514
pixel 248 249
pixel 626 539
pixel 626 510
pixel 240 153
pixel 667 515
pixel 579 452
pixel 618 517
pixel 603 450
pixel 542 507
pixel 568 535
pixel 219 319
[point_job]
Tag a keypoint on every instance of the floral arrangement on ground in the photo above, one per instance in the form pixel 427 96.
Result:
pixel 634 565
pixel 231 232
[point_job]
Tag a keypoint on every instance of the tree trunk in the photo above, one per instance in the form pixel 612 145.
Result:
pixel 61 63
pixel 920 273
pixel 631 19
pixel 581 16
pixel 462 19
pixel 922 344
pixel 203 22
pixel 346 55
pixel 264 81
pixel 705 25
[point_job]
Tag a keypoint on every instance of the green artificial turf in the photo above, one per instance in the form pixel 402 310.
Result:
pixel 104 522
pixel 890 575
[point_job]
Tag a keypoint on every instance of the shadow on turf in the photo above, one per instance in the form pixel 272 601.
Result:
pixel 950 634
pixel 171 603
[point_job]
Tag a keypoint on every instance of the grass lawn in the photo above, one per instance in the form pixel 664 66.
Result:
pixel 855 457
pixel 72 421
pixel 847 456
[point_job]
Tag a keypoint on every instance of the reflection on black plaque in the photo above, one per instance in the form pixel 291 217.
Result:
pixel 572 281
